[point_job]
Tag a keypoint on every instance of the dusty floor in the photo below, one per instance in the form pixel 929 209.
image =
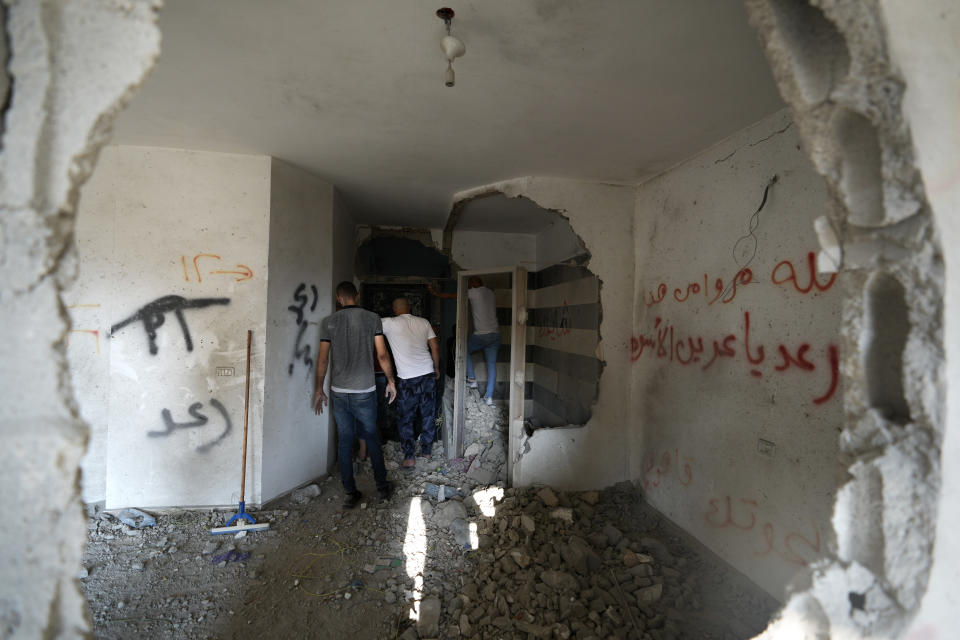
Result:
pixel 550 564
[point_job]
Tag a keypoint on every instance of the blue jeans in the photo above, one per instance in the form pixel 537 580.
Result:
pixel 490 344
pixel 356 416
pixel 413 394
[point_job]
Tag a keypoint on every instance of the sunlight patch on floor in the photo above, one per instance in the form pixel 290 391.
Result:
pixel 415 553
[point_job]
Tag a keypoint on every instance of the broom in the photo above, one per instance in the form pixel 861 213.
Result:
pixel 242 514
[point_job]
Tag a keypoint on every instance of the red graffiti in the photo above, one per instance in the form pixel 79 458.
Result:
pixel 789 552
pixel 728 519
pixel 654 473
pixel 726 295
pixel 721 515
pixel 799 361
pixel 784 272
pixel 661 294
pixel 637 345
pixel 667 343
pixel 93 332
pixel 834 376
pixel 812 283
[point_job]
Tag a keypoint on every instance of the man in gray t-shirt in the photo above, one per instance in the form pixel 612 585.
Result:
pixel 352 335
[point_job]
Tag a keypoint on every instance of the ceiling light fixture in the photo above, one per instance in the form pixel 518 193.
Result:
pixel 453 46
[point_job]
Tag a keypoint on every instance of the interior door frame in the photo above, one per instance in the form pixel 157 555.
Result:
pixel 453 440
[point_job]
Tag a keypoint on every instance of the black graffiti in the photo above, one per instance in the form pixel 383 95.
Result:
pixel 300 297
pixel 302 353
pixel 153 316
pixel 199 421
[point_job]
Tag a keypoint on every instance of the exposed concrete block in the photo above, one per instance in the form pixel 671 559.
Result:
pixel 75 64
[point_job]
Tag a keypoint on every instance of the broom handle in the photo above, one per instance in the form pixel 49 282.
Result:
pixel 246 413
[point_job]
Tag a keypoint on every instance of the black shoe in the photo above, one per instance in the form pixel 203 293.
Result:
pixel 385 492
pixel 352 500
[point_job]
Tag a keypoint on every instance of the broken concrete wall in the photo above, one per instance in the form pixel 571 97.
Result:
pixel 73 66
pixel 173 271
pixel 845 85
pixel 563 322
pixel 924 47
pixel 602 216
pixel 484 250
pixel 737 399
pixel 300 294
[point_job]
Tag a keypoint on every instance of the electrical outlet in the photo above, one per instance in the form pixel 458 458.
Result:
pixel 224 371
pixel 765 447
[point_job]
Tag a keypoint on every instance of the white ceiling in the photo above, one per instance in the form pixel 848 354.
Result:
pixel 352 90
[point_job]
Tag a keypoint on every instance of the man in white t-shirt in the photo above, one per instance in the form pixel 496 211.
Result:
pixel 416 353
pixel 486 334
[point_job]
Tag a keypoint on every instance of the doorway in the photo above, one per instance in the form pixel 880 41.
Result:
pixel 513 336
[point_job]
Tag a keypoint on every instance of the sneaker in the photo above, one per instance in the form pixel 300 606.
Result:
pixel 488 401
pixel 385 492
pixel 471 383
pixel 408 463
pixel 352 500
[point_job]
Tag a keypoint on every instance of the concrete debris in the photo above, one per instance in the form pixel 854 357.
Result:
pixel 548 497
pixel 305 494
pixel 428 622
pixel 486 562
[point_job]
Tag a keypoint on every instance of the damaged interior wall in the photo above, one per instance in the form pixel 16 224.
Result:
pixel 563 366
pixel 173 271
pixel 846 88
pixel 180 253
pixel 737 400
pixel 488 250
pixel 73 66
pixel 306 222
pixel 600 215
pixel 923 46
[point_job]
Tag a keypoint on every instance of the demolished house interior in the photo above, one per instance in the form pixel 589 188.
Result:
pixel 718 238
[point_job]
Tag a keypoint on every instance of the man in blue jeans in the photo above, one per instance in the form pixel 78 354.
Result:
pixel 354 335
pixel 486 331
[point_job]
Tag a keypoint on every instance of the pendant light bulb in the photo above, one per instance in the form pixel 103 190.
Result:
pixel 448 77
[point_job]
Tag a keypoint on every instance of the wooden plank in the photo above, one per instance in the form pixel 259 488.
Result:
pixel 518 347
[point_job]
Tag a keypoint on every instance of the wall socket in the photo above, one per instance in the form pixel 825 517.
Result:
pixel 766 448
pixel 224 371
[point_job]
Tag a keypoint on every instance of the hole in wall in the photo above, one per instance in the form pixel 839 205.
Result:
pixel 563 301
pixel 885 337
pixel 861 178
pixel 818 51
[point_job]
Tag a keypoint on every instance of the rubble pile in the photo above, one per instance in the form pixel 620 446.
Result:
pixel 551 565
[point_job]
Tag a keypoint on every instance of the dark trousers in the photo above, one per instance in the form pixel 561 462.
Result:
pixel 356 416
pixel 416 395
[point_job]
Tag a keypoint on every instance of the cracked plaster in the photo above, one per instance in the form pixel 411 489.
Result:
pixel 73 66
pixel 851 121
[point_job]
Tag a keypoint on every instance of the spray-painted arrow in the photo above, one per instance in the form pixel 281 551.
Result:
pixel 246 272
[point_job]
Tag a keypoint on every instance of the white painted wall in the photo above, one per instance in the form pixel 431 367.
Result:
pixel 483 249
pixel 154 223
pixel 698 420
pixel 592 456
pixel 557 243
pixel 295 440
